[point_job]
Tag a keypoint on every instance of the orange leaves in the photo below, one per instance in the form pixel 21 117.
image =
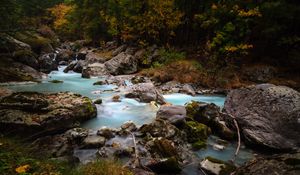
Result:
pixel 60 12
pixel 22 169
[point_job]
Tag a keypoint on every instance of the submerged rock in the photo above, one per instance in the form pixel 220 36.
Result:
pixel 29 112
pixel 268 115
pixel 145 92
pixel 98 101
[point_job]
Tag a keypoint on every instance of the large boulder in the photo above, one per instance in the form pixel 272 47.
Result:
pixel 287 164
pixel 188 89
pixel 9 44
pixel 174 114
pixel 26 57
pixel 122 64
pixel 94 70
pixel 268 115
pixel 94 57
pixel 15 71
pixel 65 55
pixel 145 92
pixel 29 112
pixel 47 62
pixel 119 50
pixel 70 66
pixel 79 66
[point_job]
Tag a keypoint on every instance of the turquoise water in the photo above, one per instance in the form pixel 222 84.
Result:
pixel 110 114
pixel 113 114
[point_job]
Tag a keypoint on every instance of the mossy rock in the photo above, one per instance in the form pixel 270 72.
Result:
pixel 37 42
pixel 191 109
pixel 196 131
pixel 226 169
pixel 56 81
pixel 200 144
pixel 165 148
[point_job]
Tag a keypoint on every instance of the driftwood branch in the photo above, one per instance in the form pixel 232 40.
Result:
pixel 239 138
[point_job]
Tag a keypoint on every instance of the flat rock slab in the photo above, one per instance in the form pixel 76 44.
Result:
pixel 27 112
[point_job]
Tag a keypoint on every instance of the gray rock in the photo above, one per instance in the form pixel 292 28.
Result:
pixel 79 66
pixel 70 66
pixel 268 115
pixel 12 44
pixel 47 63
pixel 122 64
pixel 63 63
pixel 188 89
pixel 216 167
pixel 94 57
pixel 129 126
pixel 160 128
pixel 94 141
pixel 26 57
pixel 174 114
pixel 64 55
pixel 287 164
pixel 119 50
pixel 94 70
pixel 106 132
pixel 145 92
pixel 77 134
pixel 30 112
pixel 15 71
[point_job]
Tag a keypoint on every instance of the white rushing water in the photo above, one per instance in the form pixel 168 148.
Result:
pixel 113 114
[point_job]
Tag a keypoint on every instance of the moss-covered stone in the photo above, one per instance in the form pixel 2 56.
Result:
pixel 196 131
pixel 199 145
pixel 165 148
pixel 37 42
pixel 226 168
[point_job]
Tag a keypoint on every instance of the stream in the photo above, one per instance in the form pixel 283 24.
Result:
pixel 113 114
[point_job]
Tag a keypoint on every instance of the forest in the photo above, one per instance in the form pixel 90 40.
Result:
pixel 115 87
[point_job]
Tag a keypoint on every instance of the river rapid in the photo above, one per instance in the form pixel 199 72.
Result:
pixel 113 114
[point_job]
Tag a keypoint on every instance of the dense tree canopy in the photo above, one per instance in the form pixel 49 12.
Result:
pixel 226 30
